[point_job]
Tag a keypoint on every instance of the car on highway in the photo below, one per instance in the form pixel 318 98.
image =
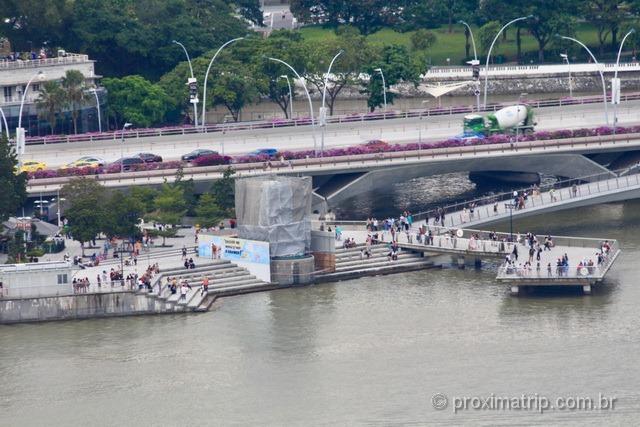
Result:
pixel 33 166
pixel 86 161
pixel 269 152
pixel 195 154
pixel 127 163
pixel 150 157
pixel 468 137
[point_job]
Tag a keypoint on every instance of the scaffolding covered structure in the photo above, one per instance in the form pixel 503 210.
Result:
pixel 277 210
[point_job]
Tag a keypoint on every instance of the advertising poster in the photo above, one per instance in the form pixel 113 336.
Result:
pixel 250 254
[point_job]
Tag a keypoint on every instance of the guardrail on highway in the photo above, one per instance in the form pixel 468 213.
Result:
pixel 358 161
pixel 349 118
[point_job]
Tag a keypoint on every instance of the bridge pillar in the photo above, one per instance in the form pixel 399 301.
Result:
pixel 478 263
pixel 461 262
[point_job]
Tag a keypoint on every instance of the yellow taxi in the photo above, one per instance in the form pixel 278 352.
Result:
pixel 32 166
pixel 83 162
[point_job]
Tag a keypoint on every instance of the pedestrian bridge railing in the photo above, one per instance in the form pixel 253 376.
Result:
pixel 557 193
pixel 560 273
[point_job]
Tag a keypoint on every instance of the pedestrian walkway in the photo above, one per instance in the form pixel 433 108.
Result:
pixel 589 190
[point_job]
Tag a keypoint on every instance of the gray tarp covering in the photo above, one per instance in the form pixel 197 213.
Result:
pixel 276 210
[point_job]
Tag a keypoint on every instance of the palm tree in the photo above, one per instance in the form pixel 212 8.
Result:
pixel 51 102
pixel 73 84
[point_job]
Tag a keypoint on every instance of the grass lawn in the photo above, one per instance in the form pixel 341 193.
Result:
pixel 451 45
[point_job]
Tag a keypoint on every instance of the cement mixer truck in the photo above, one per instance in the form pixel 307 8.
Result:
pixel 509 120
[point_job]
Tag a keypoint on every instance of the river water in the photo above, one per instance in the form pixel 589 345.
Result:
pixel 371 351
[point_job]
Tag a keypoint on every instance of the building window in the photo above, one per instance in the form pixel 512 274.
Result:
pixel 8 93
pixel 36 87
pixel 62 279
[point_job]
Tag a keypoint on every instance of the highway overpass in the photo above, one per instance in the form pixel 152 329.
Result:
pixel 339 178
pixel 412 129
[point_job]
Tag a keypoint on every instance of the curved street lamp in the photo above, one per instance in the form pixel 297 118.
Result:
pixel 20 138
pixel 604 86
pixel 323 110
pixel 124 127
pixel 95 92
pixel 195 105
pixel 475 62
pixel 284 76
pixel 206 77
pixel 304 85
pixel 486 71
pixel 384 90
pixel 616 96
pixel 565 58
pixel 6 126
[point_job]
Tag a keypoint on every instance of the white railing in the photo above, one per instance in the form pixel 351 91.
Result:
pixel 526 70
pixel 70 58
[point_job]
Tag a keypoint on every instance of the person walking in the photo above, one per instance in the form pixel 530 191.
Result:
pixel 205 286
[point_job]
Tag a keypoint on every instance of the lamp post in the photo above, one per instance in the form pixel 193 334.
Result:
pixel 615 83
pixel 6 126
pixel 125 127
pixel 511 207
pixel 304 85
pixel 384 90
pixel 486 71
pixel 95 93
pixel 604 87
pixel 323 109
pixel 284 76
pixel 474 63
pixel 59 201
pixel 194 101
pixel 20 137
pixel 206 77
pixel 565 58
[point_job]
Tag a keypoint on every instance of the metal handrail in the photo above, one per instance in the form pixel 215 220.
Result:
pixel 507 196
pixel 350 161
pixel 348 118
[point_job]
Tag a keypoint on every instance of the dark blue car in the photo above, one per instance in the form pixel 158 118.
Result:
pixel 269 152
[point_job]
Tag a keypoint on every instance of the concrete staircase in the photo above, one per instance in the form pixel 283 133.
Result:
pixel 225 279
pixel 350 263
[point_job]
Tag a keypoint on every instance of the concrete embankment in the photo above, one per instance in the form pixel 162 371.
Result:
pixel 81 307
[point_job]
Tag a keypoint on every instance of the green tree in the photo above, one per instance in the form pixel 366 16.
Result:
pixel 16 250
pixel 209 213
pixel 425 14
pixel 358 53
pixel 486 35
pixel 368 15
pixel 144 195
pixel 549 19
pixel 129 37
pixel 33 23
pixel 85 212
pixel 606 16
pixel 170 207
pixel 73 85
pixel 13 187
pixel 423 39
pixel 136 100
pixel 234 90
pixel 249 9
pixel 223 191
pixel 50 103
pixel 283 44
pixel 121 215
pixel 398 67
